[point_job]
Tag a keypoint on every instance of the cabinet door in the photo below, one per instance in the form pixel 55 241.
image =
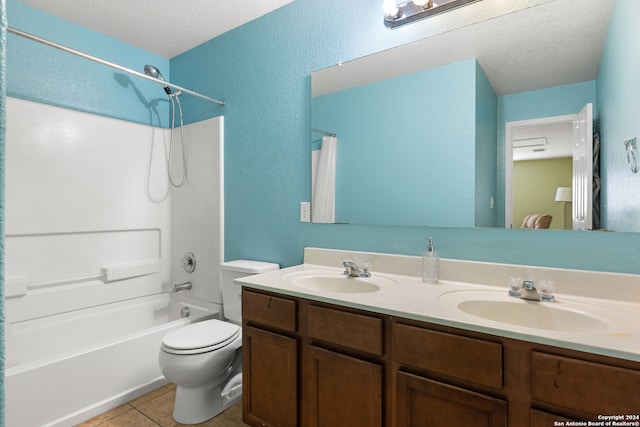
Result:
pixel 424 402
pixel 545 419
pixel 343 391
pixel 270 367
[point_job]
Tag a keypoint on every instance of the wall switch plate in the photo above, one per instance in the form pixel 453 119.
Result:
pixel 305 212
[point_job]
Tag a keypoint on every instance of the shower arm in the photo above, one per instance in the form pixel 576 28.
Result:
pixel 109 64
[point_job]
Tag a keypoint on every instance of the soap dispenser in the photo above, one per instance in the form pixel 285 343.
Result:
pixel 430 264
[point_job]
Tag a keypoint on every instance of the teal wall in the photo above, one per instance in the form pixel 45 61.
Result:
pixel 619 113
pixel 44 74
pixel 485 151
pixel 388 162
pixel 263 71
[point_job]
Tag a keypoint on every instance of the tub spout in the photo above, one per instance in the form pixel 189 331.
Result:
pixel 182 287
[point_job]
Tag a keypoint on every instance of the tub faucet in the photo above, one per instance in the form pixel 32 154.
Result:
pixel 352 269
pixel 182 287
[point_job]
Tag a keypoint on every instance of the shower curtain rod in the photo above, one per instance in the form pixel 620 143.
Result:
pixel 324 132
pixel 107 63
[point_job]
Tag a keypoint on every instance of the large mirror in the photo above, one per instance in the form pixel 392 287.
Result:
pixel 420 128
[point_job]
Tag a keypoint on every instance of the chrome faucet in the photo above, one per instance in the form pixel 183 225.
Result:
pixel 352 269
pixel 182 287
pixel 527 290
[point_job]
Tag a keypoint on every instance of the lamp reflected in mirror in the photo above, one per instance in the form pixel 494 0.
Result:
pixel 563 194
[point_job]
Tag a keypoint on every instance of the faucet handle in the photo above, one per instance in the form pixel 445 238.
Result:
pixel 547 288
pixel 347 265
pixel 365 270
pixel 515 286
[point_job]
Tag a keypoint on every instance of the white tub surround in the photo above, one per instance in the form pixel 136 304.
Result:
pixel 94 239
pixel 611 296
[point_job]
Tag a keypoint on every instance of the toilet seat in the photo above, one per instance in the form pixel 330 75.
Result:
pixel 200 337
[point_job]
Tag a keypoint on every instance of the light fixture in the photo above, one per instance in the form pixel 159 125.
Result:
pixel 391 9
pixel 563 194
pixel 396 15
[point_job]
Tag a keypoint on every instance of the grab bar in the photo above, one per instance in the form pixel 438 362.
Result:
pixel 128 271
pixel 15 287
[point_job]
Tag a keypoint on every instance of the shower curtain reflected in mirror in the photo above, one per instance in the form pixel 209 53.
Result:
pixel 324 197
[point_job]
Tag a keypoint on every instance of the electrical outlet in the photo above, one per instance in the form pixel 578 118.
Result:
pixel 305 212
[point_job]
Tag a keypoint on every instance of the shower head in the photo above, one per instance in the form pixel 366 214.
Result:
pixel 152 71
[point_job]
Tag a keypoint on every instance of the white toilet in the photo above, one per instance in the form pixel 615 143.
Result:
pixel 204 359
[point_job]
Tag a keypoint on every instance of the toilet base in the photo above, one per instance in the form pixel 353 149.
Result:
pixel 195 405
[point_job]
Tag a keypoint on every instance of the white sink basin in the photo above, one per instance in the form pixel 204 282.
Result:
pixel 561 316
pixel 338 283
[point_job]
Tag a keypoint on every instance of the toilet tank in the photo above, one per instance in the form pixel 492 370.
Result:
pixel 231 270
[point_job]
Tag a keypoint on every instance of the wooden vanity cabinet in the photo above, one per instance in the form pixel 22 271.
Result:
pixel 428 363
pixel 425 402
pixel 312 364
pixel 566 382
pixel 342 391
pixel 344 367
pixel 503 381
pixel 269 360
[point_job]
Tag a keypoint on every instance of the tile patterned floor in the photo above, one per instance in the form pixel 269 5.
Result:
pixel 154 409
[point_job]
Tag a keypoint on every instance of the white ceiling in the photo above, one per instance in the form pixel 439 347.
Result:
pixel 556 139
pixel 164 27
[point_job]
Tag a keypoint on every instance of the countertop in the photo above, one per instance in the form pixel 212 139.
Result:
pixel 406 296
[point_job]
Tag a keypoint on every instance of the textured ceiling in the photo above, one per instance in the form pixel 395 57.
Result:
pixel 164 27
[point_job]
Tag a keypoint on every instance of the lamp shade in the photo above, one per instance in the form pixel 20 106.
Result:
pixel 563 194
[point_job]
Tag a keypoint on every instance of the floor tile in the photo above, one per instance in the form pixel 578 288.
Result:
pixel 160 409
pixel 152 395
pixel 104 417
pixel 156 409
pixel 232 417
pixel 130 418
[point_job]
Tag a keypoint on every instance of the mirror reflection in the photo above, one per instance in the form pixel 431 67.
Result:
pixel 550 160
pixel 420 128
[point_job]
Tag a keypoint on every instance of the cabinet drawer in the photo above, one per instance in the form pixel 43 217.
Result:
pixel 351 330
pixel 588 387
pixel 468 359
pixel 269 310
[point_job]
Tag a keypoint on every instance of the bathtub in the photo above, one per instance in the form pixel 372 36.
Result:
pixel 66 368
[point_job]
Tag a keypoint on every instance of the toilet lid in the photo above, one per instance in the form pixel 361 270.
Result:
pixel 200 335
